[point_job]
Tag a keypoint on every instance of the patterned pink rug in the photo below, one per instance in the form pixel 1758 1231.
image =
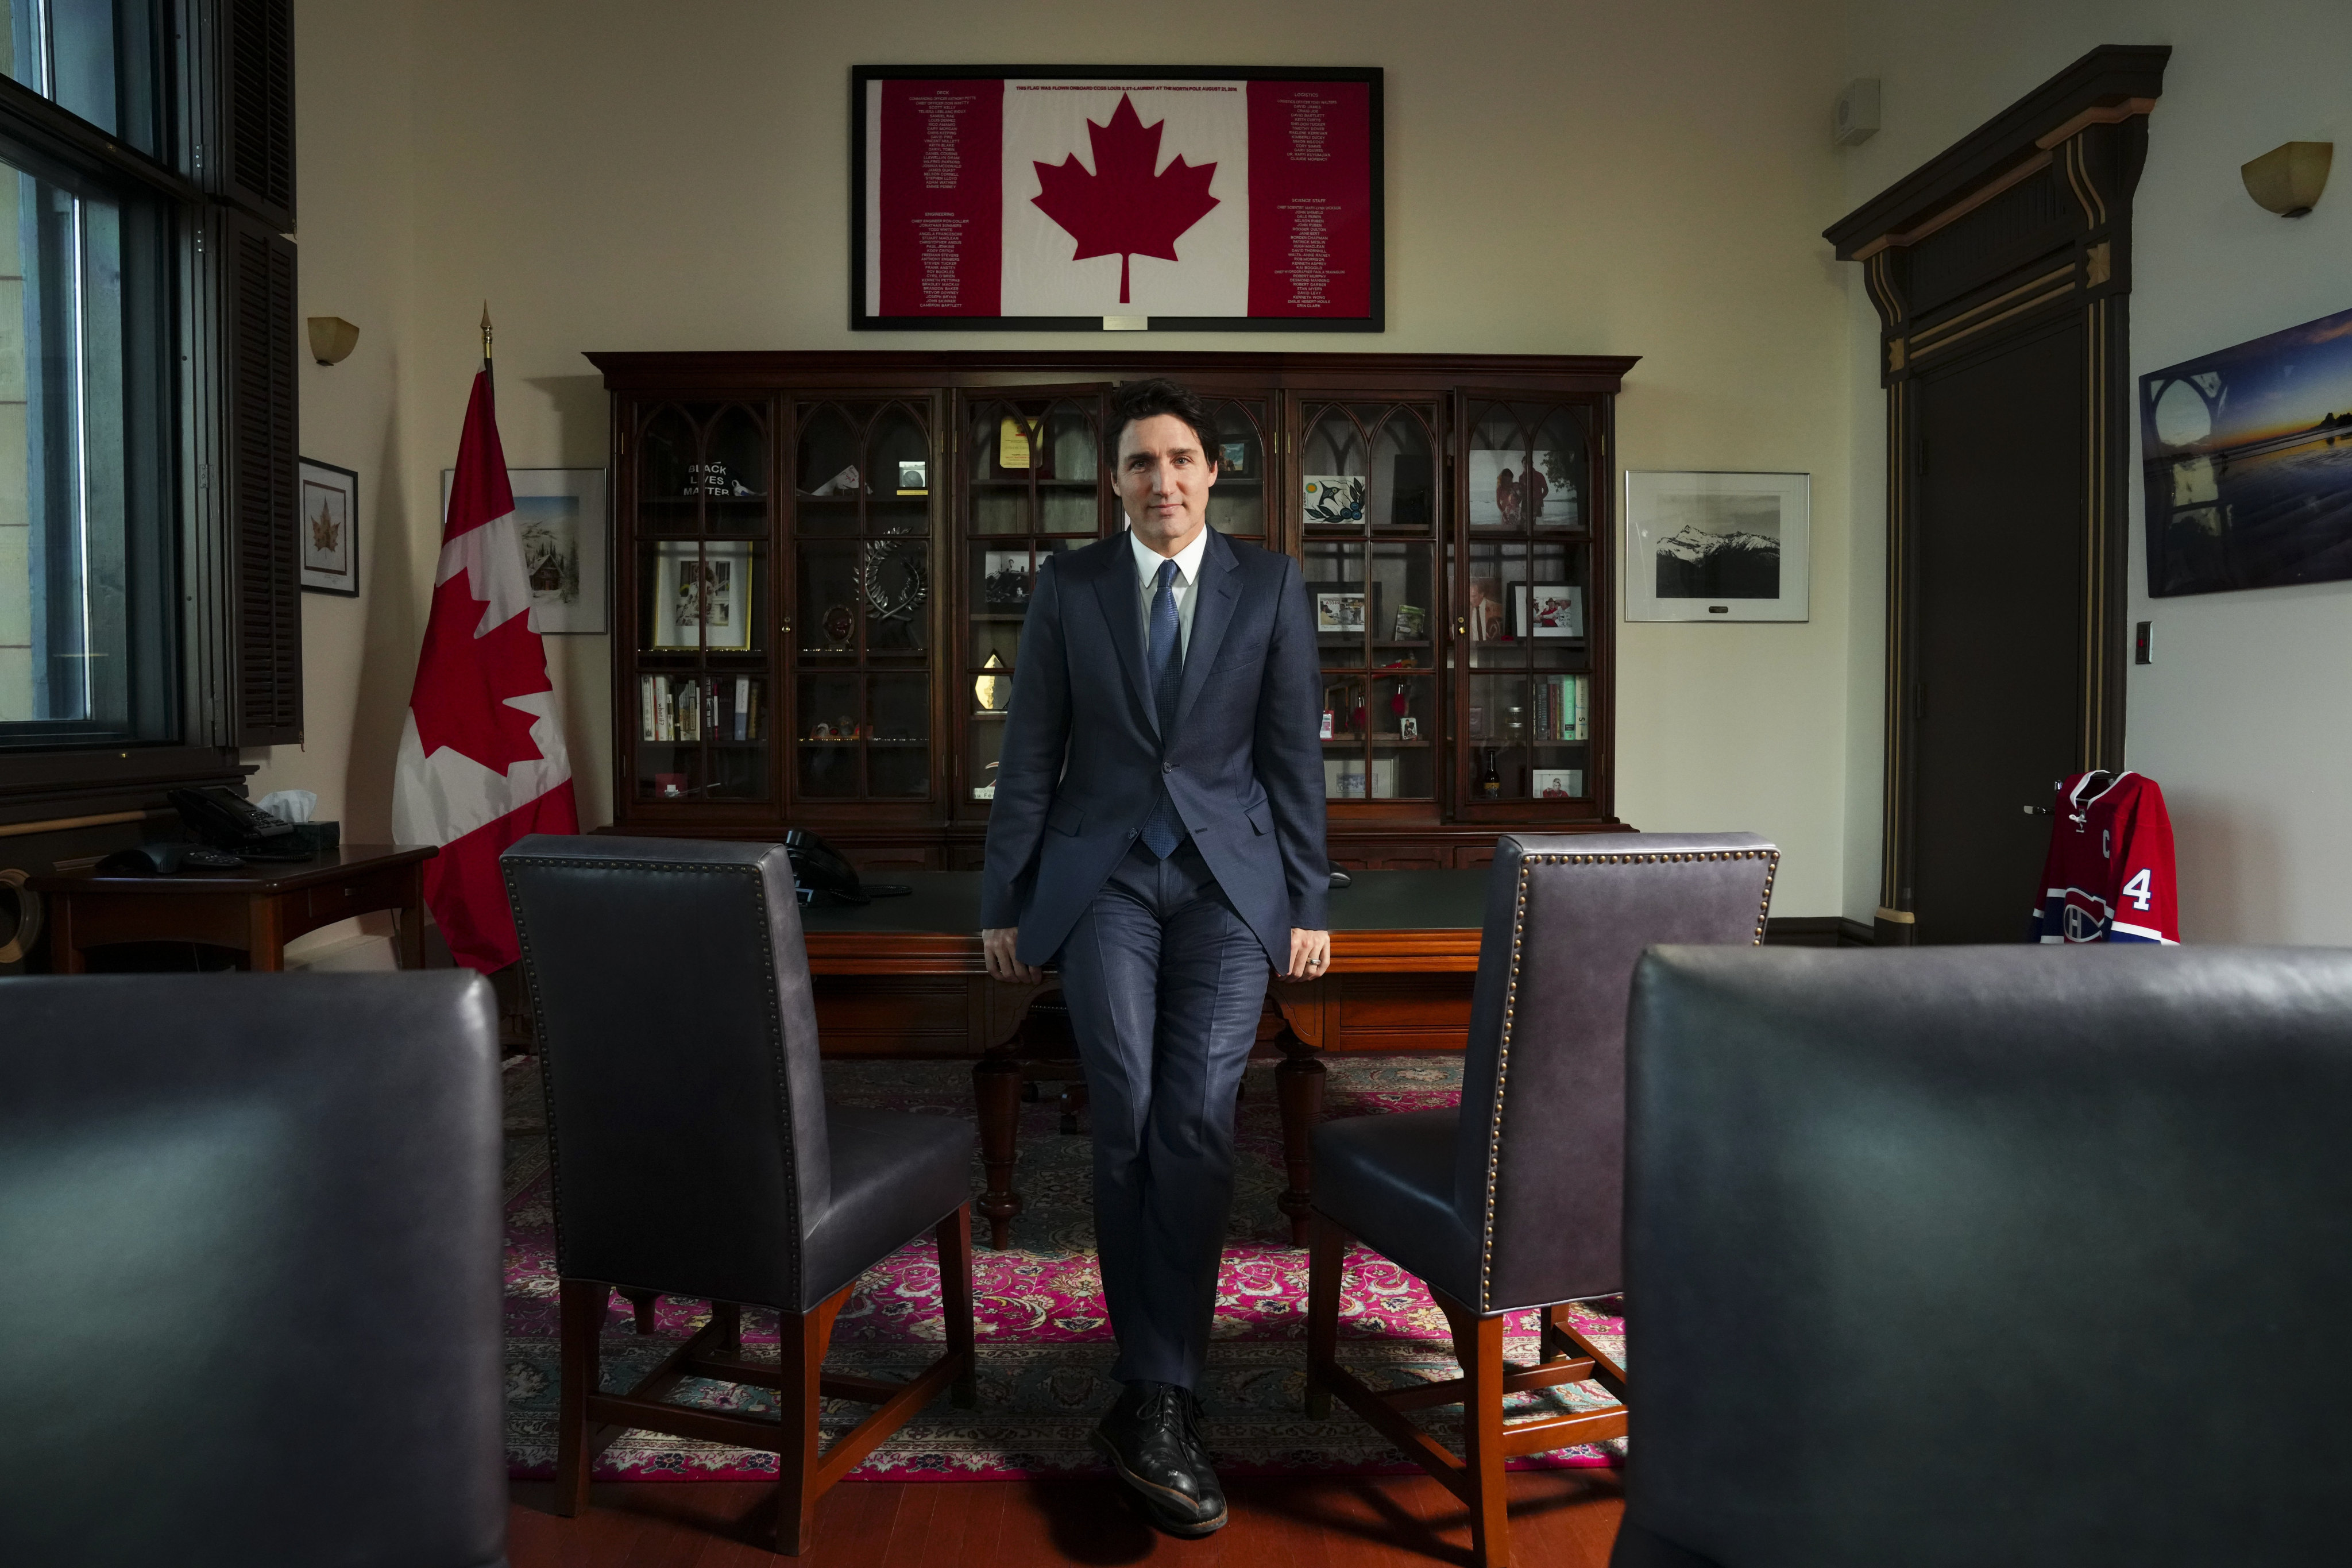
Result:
pixel 1044 1345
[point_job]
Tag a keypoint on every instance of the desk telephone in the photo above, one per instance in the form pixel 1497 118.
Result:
pixel 822 878
pixel 222 818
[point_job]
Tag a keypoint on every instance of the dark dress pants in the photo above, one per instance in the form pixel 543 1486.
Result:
pixel 1165 986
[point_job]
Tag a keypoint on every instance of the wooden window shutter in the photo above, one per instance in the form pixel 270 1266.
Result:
pixel 256 162
pixel 259 327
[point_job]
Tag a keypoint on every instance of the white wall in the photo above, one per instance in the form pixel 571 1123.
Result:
pixel 2241 719
pixel 1574 178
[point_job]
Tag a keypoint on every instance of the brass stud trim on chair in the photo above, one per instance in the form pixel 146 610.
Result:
pixel 1771 857
pixel 750 876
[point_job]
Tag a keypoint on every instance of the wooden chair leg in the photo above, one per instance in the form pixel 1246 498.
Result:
pixel 728 1315
pixel 1327 1259
pixel 955 1299
pixel 582 1309
pixel 642 1303
pixel 801 1340
pixel 1478 1344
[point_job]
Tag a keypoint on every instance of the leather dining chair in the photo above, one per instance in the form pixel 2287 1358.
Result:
pixel 1971 1255
pixel 694 1154
pixel 249 1270
pixel 1512 1201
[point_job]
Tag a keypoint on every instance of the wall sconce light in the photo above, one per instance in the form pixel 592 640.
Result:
pixel 2288 178
pixel 332 338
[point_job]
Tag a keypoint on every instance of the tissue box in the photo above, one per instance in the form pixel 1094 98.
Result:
pixel 317 836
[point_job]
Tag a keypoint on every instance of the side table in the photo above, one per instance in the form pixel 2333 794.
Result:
pixel 257 907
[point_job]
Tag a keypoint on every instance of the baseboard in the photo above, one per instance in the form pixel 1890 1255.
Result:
pixel 1817 931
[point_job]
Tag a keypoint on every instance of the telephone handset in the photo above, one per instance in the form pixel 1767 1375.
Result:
pixel 219 816
pixel 822 877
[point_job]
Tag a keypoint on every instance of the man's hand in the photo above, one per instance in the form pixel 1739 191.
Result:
pixel 997 940
pixel 1311 955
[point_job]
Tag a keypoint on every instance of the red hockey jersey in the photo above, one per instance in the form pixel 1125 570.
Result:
pixel 2109 875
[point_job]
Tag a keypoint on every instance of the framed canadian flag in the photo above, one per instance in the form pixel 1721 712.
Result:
pixel 1099 198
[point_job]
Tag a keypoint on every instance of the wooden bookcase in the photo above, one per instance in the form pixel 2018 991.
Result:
pixel 865 527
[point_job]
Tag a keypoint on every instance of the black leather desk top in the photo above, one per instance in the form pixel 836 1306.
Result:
pixel 948 903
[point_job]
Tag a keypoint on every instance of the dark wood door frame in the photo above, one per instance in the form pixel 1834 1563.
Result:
pixel 2027 216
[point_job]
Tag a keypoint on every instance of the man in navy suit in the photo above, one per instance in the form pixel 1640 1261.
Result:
pixel 1158 834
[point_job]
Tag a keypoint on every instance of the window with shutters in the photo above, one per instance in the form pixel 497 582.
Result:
pixel 88 569
pixel 150 594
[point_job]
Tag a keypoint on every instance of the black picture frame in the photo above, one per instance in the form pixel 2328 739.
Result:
pixel 341 585
pixel 1373 77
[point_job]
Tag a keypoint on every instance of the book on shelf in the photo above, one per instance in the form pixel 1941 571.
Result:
pixel 696 711
pixel 1561 703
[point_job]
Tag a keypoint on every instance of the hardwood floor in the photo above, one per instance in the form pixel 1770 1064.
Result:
pixel 1560 1519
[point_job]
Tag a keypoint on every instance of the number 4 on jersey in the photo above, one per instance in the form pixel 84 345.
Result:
pixel 2137 890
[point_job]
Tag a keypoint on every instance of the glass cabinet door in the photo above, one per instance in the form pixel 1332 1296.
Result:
pixel 1523 565
pixel 1034 483
pixel 701 701
pixel 1237 501
pixel 1369 547
pixel 862 611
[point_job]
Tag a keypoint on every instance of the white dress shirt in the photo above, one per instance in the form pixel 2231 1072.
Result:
pixel 1188 573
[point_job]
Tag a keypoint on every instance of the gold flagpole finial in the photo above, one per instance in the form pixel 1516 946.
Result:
pixel 486 330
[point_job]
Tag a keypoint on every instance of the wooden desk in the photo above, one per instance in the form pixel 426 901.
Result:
pixel 905 977
pixel 258 907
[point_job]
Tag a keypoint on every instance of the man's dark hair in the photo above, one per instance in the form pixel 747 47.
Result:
pixel 1134 400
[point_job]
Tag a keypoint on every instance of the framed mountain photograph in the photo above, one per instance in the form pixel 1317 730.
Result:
pixel 1717 546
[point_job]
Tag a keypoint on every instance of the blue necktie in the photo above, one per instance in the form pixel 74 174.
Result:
pixel 1165 660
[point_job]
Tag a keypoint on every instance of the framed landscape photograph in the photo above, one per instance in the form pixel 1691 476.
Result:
pixel 330 530
pixel 1717 546
pixel 702 596
pixel 2247 454
pixel 562 519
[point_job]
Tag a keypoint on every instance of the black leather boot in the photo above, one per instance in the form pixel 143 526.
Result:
pixel 1154 1449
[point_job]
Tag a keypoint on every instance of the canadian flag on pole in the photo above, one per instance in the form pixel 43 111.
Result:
pixel 481 761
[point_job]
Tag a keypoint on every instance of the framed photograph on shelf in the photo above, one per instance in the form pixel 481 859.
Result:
pixel 1005 580
pixel 1515 490
pixel 1547 610
pixel 1556 783
pixel 1341 613
pixel 566 529
pixel 702 596
pixel 1717 546
pixel 1411 624
pixel 330 530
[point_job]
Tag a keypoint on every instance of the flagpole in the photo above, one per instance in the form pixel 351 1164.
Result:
pixel 486 348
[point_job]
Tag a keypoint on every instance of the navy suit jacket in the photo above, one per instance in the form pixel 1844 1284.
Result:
pixel 1084 759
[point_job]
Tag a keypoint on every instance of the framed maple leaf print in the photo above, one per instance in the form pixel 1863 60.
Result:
pixel 1098 198
pixel 331 524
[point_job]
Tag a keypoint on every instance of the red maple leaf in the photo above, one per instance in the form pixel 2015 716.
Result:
pixel 463 682
pixel 1123 208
